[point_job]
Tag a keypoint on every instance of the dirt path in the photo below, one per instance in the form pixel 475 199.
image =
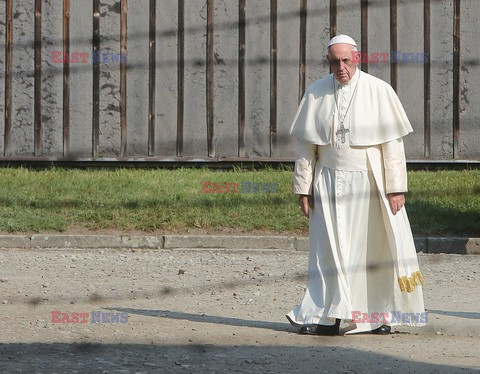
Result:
pixel 213 312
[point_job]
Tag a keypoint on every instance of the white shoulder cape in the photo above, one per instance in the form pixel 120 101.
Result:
pixel 377 114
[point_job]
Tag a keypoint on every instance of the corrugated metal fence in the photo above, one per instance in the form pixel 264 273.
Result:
pixel 221 79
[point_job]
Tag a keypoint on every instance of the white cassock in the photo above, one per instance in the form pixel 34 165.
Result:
pixel 350 156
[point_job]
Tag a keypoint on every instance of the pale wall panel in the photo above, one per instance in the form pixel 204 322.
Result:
pixel 137 77
pixel 257 85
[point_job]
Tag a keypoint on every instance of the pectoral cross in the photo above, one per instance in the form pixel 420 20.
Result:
pixel 342 131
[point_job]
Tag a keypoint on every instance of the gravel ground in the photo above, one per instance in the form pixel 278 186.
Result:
pixel 206 311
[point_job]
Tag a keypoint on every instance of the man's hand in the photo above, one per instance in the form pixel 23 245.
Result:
pixel 396 201
pixel 306 203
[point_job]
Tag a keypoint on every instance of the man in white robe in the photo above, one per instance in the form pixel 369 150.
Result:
pixel 350 175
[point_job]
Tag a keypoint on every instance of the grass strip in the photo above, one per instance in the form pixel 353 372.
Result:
pixel 56 200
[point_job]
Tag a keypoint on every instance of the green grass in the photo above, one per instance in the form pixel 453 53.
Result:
pixel 56 200
pixel 444 202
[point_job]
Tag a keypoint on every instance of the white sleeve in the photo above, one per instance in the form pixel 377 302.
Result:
pixel 395 166
pixel 304 168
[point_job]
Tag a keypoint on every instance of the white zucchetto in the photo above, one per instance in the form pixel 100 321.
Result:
pixel 341 39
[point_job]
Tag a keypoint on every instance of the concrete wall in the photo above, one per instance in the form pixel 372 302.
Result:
pixel 190 76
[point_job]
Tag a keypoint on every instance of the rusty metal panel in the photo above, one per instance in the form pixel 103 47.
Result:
pixel 37 98
pixel 364 33
pixel 66 79
pixel 211 141
pixel 213 79
pixel 5 74
pixel 180 77
pixel 456 79
pixel 96 79
pixel 152 50
pixel 333 18
pixel 427 147
pixel 393 43
pixel 303 49
pixel 241 77
pixel 123 78
pixel 273 76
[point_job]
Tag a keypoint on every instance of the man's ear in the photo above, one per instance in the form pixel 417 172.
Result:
pixel 356 57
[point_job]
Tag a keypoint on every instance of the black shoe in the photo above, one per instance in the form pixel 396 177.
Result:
pixel 382 330
pixel 321 329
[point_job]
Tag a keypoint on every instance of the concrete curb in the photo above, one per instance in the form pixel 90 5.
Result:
pixel 286 243
pixel 456 245
pixel 15 241
pixel 95 241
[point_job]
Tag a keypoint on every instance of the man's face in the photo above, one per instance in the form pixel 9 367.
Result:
pixel 340 57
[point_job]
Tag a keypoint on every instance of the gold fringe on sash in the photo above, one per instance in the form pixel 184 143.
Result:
pixel 409 284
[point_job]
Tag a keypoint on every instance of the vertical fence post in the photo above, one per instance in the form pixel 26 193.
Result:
pixel 393 43
pixel 8 77
pixel 209 80
pixel 37 105
pixel 241 78
pixel 66 78
pixel 456 79
pixel 96 79
pixel 151 77
pixel 303 48
pixel 123 78
pixel 180 75
pixel 364 32
pixel 273 76
pixel 426 80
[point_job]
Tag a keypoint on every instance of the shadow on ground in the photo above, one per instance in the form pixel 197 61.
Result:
pixel 324 356
pixel 203 318
pixel 202 358
pixel 469 315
